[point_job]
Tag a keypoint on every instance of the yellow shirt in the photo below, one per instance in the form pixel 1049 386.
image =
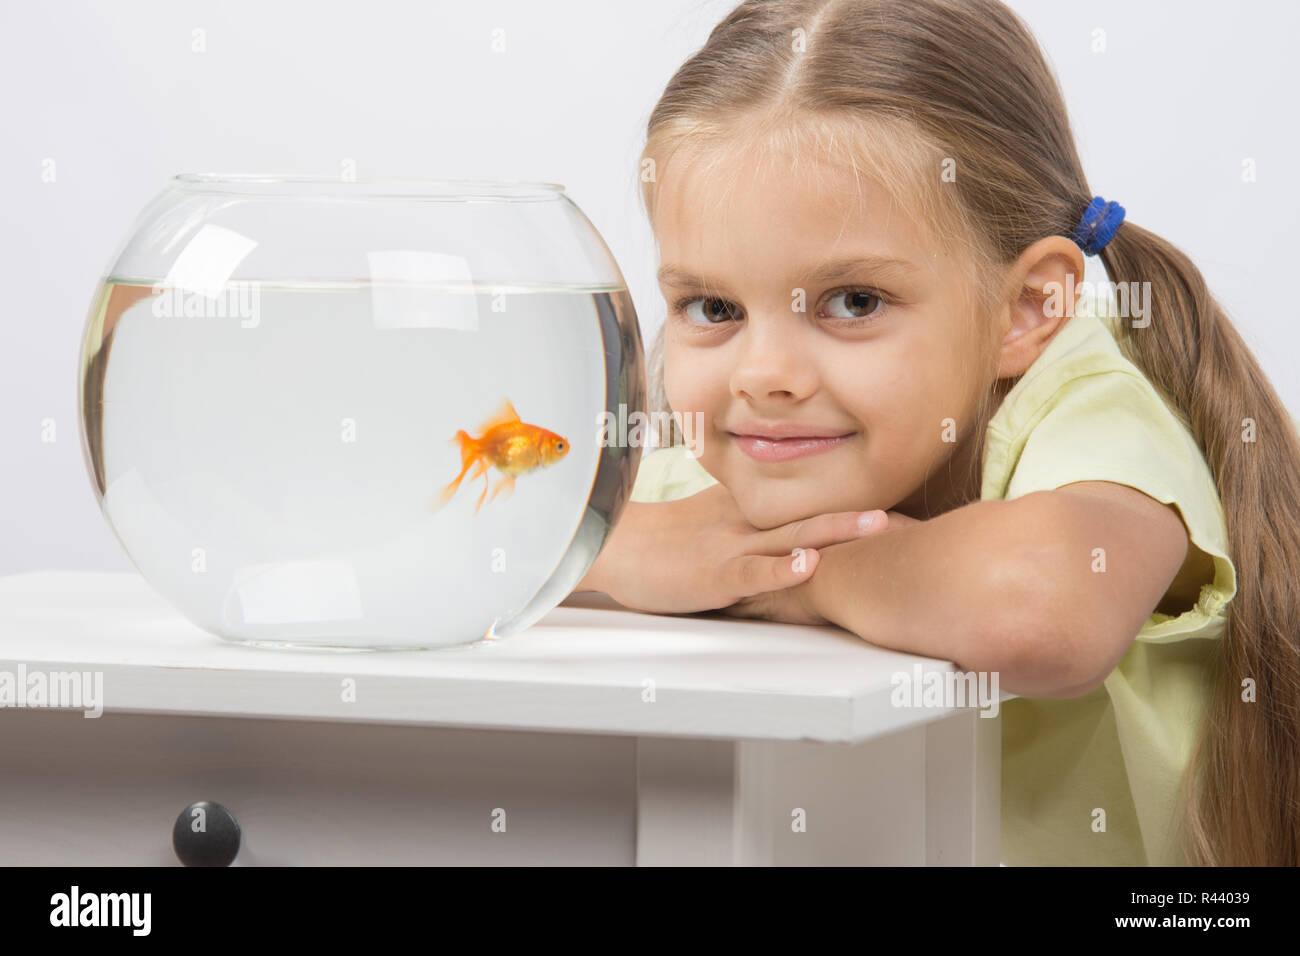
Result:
pixel 1083 412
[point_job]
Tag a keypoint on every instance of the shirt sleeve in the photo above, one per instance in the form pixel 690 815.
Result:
pixel 667 474
pixel 1113 426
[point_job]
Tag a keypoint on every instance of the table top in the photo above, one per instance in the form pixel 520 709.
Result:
pixel 589 666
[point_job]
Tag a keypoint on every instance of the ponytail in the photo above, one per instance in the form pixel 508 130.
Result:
pixel 1242 787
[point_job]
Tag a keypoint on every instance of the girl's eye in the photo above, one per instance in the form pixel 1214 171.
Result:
pixel 712 311
pixel 858 303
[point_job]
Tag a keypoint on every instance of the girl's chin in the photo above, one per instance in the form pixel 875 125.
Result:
pixel 773 509
pixel 768 503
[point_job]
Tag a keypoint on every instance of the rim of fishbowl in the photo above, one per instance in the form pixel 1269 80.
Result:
pixel 388 187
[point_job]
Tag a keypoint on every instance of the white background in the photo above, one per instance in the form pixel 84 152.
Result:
pixel 114 94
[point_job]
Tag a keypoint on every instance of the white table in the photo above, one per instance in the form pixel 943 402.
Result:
pixel 599 736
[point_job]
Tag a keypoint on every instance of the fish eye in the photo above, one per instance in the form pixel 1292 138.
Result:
pixel 559 446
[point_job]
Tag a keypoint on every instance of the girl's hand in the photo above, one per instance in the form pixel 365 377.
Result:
pixel 793 605
pixel 700 554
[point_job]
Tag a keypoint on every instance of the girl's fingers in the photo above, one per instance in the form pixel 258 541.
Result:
pixel 756 573
pixel 821 531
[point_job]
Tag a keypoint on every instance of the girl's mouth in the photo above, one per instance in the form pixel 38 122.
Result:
pixel 786 449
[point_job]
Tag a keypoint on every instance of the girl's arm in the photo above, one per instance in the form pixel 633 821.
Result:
pixel 1012 586
pixel 700 553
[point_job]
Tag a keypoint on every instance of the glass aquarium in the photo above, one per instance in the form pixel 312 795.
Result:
pixel 361 414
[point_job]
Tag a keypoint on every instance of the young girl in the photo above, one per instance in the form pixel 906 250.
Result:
pixel 872 222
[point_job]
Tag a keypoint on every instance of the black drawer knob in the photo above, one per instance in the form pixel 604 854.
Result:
pixel 206 834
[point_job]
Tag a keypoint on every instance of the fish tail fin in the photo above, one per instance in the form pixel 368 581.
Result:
pixel 468 454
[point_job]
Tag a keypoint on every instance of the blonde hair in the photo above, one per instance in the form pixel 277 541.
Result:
pixel 894 89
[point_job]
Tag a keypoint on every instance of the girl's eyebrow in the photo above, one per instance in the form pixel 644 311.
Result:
pixel 827 272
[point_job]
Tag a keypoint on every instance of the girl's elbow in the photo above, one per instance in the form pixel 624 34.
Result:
pixel 1037 647
pixel 1044 656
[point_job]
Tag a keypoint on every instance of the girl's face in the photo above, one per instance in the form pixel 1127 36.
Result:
pixel 881 358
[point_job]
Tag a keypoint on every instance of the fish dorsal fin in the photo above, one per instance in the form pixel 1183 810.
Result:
pixel 505 415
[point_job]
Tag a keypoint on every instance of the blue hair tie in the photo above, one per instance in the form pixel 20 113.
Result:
pixel 1098 225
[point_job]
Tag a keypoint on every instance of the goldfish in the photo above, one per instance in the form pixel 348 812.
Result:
pixel 511 446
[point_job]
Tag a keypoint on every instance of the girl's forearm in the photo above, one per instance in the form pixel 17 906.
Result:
pixel 965 587
pixel 594 579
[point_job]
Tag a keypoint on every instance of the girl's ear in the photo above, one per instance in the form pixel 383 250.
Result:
pixel 1043 285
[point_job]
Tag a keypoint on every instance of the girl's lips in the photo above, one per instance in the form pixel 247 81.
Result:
pixel 785 449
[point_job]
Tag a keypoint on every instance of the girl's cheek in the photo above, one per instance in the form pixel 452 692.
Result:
pixel 673 379
pixel 685 388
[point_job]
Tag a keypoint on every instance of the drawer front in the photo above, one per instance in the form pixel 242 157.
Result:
pixel 108 790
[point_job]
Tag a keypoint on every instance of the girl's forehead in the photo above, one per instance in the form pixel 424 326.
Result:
pixel 714 181
pixel 805 201
pixel 865 167
pixel 805 150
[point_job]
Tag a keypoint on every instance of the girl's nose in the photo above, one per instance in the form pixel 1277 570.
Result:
pixel 771 362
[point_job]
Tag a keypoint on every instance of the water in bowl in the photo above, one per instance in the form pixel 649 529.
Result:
pixel 272 456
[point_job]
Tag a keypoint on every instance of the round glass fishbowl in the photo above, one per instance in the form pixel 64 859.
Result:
pixel 361 414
